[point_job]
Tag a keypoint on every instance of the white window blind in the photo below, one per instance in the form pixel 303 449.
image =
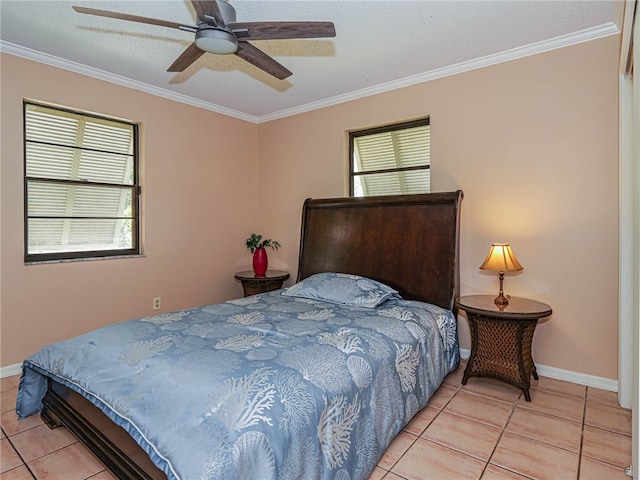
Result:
pixel 391 160
pixel 81 195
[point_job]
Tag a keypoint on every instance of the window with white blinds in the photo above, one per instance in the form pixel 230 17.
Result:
pixel 81 185
pixel 390 160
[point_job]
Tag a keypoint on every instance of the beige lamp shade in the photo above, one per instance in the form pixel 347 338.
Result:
pixel 501 259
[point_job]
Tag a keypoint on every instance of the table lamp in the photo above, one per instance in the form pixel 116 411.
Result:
pixel 501 259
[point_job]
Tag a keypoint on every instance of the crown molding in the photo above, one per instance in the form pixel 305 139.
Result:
pixel 54 61
pixel 581 36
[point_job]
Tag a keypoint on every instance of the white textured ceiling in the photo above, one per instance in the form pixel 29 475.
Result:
pixel 379 45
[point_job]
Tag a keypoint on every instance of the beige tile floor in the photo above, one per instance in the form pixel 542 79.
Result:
pixel 484 430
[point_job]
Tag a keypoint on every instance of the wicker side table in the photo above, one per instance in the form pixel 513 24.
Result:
pixel 501 338
pixel 253 284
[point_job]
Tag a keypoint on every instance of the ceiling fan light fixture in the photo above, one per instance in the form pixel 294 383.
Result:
pixel 216 41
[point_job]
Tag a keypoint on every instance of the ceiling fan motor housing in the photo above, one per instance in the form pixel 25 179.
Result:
pixel 215 38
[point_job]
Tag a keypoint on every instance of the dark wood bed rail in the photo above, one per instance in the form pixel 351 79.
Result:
pixel 109 442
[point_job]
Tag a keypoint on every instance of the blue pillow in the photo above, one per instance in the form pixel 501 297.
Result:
pixel 343 289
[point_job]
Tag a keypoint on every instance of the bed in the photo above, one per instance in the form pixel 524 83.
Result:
pixel 312 381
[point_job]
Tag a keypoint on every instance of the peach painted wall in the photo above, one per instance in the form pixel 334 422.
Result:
pixel 534 145
pixel 532 142
pixel 197 166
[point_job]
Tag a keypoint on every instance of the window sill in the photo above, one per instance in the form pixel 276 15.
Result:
pixel 89 259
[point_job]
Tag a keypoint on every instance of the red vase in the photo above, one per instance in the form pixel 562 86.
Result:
pixel 260 261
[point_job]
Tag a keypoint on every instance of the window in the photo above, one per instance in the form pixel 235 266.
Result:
pixel 81 185
pixel 390 160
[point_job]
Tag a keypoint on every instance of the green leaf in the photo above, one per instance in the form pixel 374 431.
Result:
pixel 255 242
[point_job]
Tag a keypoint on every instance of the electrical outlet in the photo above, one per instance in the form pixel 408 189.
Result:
pixel 157 303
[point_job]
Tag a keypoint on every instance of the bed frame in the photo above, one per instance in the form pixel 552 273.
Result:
pixel 408 242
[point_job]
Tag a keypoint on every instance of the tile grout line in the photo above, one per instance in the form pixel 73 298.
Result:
pixel 420 436
pixel 502 431
pixel 584 417
pixel 515 405
pixel 598 428
pixel 403 454
pixel 24 463
pixel 461 389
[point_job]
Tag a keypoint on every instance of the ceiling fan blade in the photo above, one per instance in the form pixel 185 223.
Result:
pixel 133 18
pixel 186 58
pixel 210 8
pixel 283 30
pixel 258 58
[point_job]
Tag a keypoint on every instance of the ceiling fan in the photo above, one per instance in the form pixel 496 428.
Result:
pixel 218 32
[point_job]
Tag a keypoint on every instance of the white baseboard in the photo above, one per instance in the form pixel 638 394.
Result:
pixel 567 375
pixel 551 372
pixel 11 370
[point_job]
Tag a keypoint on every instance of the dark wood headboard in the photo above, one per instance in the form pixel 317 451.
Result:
pixel 409 242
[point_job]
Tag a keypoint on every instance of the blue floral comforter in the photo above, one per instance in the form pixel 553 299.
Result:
pixel 263 387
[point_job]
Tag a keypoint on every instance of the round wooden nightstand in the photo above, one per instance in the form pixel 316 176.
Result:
pixel 253 284
pixel 501 338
